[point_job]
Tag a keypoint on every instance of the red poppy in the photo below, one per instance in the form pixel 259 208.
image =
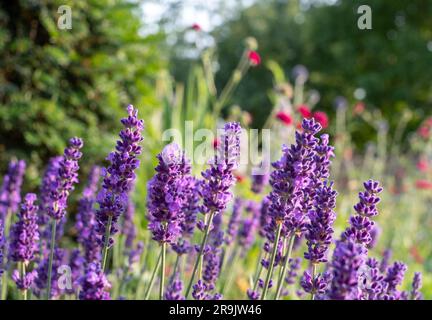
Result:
pixel 254 58
pixel 322 118
pixel 298 125
pixel 422 165
pixel 196 27
pixel 304 111
pixel 424 131
pixel 284 117
pixel 423 184
pixel 240 178
pixel 216 143
pixel 359 108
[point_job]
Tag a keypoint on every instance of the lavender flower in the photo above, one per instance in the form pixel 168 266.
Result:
pixel 320 231
pixel 260 181
pixel 65 180
pixel 385 260
pixel 233 223
pixel 135 254
pixel 294 266
pixel 42 273
pixel 26 282
pixel 47 187
pixel 394 277
pixel 348 257
pixel 10 190
pixel 2 243
pixel 86 224
pixel 200 292
pixel 95 285
pixel 371 280
pixel 119 176
pixel 168 193
pixel 250 224
pixel 290 179
pixel 174 291
pixel 375 233
pixel 361 225
pixel 24 234
pixel 415 293
pixel 219 178
pixel 316 286
pixel 76 263
pixel 253 295
pixel 129 229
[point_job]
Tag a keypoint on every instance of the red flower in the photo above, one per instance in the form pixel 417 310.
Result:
pixel 359 108
pixel 423 184
pixel 240 178
pixel 196 27
pixel 424 131
pixel 284 117
pixel 422 165
pixel 304 111
pixel 216 143
pixel 322 118
pixel 254 58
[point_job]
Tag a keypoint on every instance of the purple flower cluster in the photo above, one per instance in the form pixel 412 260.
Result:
pixel 316 286
pixel 260 181
pixel 200 292
pixel 24 236
pixel 234 221
pixel 168 194
pixel 219 178
pixel 320 231
pixel 174 290
pixel 46 188
pixel 394 277
pixel 118 178
pixel 42 273
pixel 67 176
pixel 415 293
pixel 250 224
pixel 128 227
pixel 2 244
pixel 86 224
pixel 10 192
pixel 26 282
pixel 294 266
pixel 290 180
pixel 361 224
pixel 94 284
pixel 348 257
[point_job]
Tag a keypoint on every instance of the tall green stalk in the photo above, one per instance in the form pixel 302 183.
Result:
pixel 23 274
pixel 314 266
pixel 272 261
pixel 153 276
pixel 162 271
pixel 106 242
pixel 51 256
pixel 200 254
pixel 285 266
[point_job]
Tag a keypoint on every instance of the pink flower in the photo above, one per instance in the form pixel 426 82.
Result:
pixel 423 184
pixel 196 27
pixel 422 165
pixel 254 58
pixel 284 117
pixel 322 118
pixel 359 108
pixel 304 111
pixel 216 143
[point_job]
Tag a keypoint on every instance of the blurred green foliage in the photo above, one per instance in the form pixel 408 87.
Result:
pixel 389 61
pixel 55 84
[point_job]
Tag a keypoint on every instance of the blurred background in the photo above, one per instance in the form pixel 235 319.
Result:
pixel 265 63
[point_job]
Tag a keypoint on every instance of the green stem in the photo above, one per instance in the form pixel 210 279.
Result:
pixel 147 294
pixel 51 256
pixel 285 267
pixel 162 272
pixel 258 272
pixel 23 274
pixel 200 254
pixel 272 261
pixel 106 242
pixel 314 266
pixel 231 262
